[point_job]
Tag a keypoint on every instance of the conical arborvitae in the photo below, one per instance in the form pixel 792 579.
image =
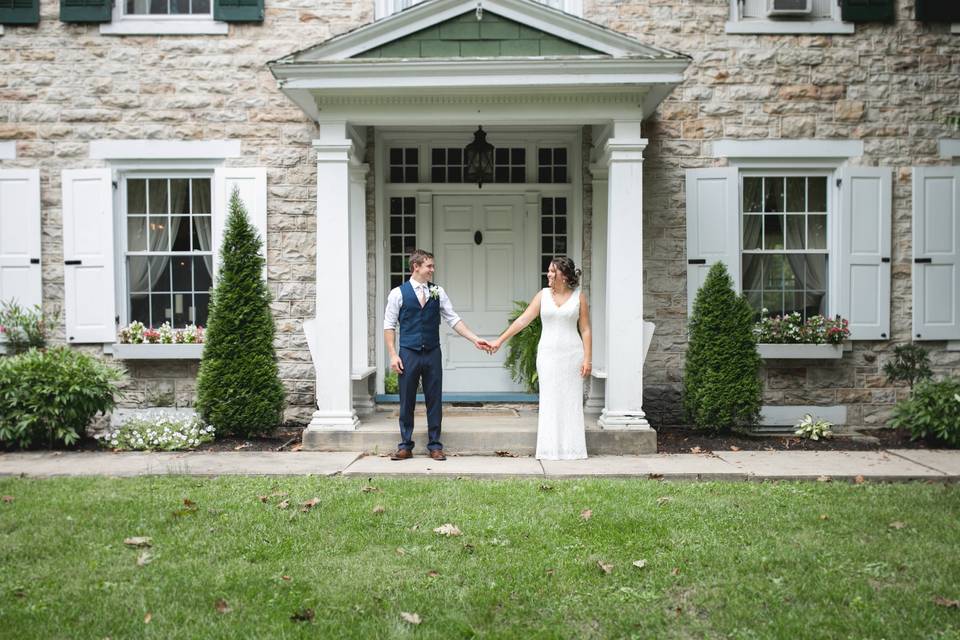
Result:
pixel 721 386
pixel 239 389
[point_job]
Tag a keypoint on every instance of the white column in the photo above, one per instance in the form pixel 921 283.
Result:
pixel 624 279
pixel 334 305
pixel 598 290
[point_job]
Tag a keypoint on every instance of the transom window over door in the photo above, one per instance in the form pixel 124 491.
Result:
pixel 169 255
pixel 784 243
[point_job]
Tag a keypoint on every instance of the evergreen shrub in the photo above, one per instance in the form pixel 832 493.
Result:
pixel 239 389
pixel 721 386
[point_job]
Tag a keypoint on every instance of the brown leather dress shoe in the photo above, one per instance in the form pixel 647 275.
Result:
pixel 437 454
pixel 401 454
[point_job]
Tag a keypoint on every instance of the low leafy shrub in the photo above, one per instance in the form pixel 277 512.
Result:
pixel 813 428
pixel 793 329
pixel 932 412
pixel 910 363
pixel 521 359
pixel 50 396
pixel 391 382
pixel 22 328
pixel 158 431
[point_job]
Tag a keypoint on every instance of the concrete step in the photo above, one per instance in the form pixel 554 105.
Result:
pixel 483 431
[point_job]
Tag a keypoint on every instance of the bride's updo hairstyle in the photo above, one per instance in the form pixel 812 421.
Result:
pixel 571 274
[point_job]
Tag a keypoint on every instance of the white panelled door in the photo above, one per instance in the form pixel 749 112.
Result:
pixel 479 247
pixel 20 237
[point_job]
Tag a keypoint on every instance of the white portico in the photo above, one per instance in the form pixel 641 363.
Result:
pixel 424 79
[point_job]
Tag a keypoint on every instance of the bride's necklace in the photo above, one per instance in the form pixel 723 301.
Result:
pixel 554 292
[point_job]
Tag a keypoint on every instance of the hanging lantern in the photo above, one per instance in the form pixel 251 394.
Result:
pixel 478 157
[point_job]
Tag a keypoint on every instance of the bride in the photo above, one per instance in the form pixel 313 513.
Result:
pixel 563 360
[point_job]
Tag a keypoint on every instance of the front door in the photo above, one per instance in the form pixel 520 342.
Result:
pixel 478 240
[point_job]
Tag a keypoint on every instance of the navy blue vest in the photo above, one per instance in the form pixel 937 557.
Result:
pixel 419 327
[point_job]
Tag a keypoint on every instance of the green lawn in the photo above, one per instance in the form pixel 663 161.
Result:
pixel 723 560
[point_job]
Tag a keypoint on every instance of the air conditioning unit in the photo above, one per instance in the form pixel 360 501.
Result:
pixel 788 7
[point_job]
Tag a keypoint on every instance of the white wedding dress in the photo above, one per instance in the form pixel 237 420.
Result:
pixel 560 430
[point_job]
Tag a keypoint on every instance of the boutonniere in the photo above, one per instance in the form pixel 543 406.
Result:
pixel 434 291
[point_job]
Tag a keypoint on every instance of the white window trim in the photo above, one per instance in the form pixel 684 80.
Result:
pixel 386 8
pixel 955 27
pixel 801 153
pixel 122 24
pixel 1 29
pixel 8 149
pixel 185 170
pixel 737 24
pixel 168 150
pixel 949 148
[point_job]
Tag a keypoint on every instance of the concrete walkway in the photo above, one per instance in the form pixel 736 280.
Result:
pixel 890 465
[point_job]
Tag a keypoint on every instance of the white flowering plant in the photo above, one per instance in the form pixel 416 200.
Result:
pixel 158 431
pixel 137 333
pixel 813 428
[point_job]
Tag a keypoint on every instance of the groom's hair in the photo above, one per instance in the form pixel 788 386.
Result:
pixel 417 258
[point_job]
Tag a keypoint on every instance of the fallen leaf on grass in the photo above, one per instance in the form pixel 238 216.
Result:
pixel 897 525
pixel 304 615
pixel 432 574
pixel 824 516
pixel 733 448
pixel 696 450
pixel 586 514
pixel 379 509
pixel 675 571
pixel 287 578
pixel 448 530
pixel 221 606
pixel 946 602
pixel 606 567
pixel 309 504
pixel 147 618
pixel 138 541
pixel 505 454
pixel 242 446
pixel 546 487
pixel 144 558
pixel 639 564
pixel 369 488
pixel 7 499
pixel 551 572
pixel 263 498
pixel 401 551
pixel 824 479
pixel 283 504
pixel 858 480
pixel 662 500
pixel 655 476
pixel 189 506
pixel 412 618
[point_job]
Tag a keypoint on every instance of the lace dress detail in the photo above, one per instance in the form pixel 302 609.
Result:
pixel 560 430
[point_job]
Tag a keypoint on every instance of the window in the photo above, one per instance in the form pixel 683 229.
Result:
pixel 553 232
pixel 403 237
pixel 158 17
pixel 751 16
pixel 166 7
pixel 448 165
pixel 404 164
pixel 552 165
pixel 784 243
pixel 510 164
pixel 168 249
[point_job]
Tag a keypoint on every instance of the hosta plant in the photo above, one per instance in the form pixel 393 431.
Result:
pixel 813 428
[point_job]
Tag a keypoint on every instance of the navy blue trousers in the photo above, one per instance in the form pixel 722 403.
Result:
pixel 427 367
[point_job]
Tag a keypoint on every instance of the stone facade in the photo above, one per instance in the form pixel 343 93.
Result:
pixel 893 86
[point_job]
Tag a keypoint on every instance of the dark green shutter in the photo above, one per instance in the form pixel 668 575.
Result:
pixel 19 11
pixel 238 10
pixel 938 10
pixel 867 10
pixel 85 10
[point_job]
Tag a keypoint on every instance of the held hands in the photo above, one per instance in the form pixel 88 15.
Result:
pixel 490 347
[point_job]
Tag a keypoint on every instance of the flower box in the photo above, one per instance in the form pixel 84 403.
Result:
pixel 157 351
pixel 770 351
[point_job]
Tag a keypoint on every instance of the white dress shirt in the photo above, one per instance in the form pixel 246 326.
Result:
pixel 395 301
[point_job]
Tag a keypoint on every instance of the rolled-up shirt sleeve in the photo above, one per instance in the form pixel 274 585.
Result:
pixel 394 300
pixel 446 310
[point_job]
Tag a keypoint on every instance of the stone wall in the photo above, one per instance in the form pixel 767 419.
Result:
pixel 892 86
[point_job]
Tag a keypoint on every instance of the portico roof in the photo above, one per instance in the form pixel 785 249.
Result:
pixel 465 58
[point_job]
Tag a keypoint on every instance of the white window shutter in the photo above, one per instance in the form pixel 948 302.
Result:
pixel 20 280
pixel 88 278
pixel 936 253
pixel 713 226
pixel 863 251
pixel 251 183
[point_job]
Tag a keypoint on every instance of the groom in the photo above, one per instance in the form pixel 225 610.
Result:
pixel 416 307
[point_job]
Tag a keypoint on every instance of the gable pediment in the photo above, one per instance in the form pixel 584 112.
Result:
pixel 450 29
pixel 485 36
